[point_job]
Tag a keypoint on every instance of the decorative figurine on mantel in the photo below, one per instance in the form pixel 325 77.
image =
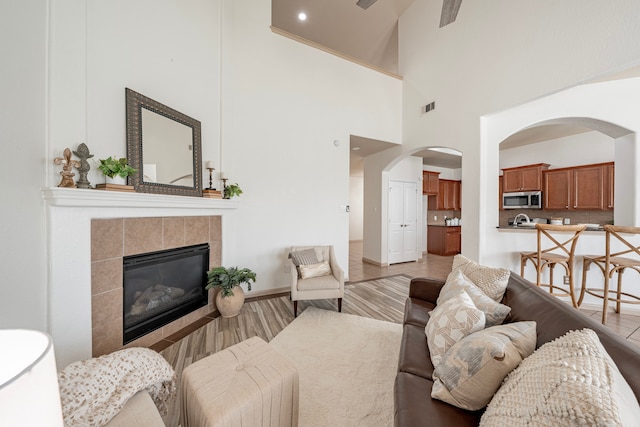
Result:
pixel 83 153
pixel 67 168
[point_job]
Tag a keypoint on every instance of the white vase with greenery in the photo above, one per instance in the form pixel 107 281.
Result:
pixel 230 298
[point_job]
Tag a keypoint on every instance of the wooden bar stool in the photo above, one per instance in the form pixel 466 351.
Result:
pixel 611 263
pixel 557 252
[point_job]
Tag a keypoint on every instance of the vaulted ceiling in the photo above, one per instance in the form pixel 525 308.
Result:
pixel 367 35
pixel 366 31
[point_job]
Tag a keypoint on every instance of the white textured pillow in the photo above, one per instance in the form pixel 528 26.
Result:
pixel 315 270
pixel 472 370
pixel 305 257
pixel 492 281
pixel 451 321
pixel 570 381
pixel 494 312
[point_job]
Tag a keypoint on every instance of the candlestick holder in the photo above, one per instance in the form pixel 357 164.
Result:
pixel 210 179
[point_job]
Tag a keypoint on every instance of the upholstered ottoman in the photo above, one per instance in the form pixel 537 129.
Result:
pixel 248 384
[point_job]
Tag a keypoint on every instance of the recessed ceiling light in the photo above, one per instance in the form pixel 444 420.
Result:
pixel 302 16
pixel 355 148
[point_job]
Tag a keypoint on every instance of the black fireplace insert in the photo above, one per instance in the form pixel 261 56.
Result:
pixel 160 287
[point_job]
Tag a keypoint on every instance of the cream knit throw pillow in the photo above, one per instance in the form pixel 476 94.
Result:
pixel 494 312
pixel 492 281
pixel 570 381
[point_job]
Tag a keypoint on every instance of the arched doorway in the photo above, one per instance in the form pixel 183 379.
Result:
pixel 597 109
pixel 394 165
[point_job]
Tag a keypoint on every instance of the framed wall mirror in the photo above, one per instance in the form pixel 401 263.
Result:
pixel 164 146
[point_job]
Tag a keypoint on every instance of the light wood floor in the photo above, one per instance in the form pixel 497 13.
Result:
pixel 626 325
pixel 366 295
pixel 381 299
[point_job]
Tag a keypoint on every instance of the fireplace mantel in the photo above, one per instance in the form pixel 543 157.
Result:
pixel 69 212
pixel 75 197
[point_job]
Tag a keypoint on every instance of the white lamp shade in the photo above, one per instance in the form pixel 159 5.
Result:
pixel 29 392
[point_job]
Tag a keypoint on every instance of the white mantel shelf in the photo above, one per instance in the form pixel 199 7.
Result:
pixel 75 197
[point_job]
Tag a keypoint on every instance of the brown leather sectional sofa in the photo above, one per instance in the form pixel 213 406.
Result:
pixel 413 403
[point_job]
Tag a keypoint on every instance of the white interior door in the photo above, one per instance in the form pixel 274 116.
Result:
pixel 403 218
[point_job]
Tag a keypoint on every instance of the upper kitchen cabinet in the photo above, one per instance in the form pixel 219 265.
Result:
pixel 609 173
pixel 556 192
pixel 523 178
pixel 456 189
pixel 500 192
pixel 430 183
pixel 448 198
pixel 587 187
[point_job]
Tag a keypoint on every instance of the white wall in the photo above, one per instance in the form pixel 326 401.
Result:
pixel 23 136
pixel 489 61
pixel 286 105
pixel 581 149
pixel 270 110
pixel 445 173
pixel 168 51
pixel 356 204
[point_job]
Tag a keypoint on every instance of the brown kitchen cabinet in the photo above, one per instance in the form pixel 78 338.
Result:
pixel 448 198
pixel 430 182
pixel 556 193
pixel 609 173
pixel 456 189
pixel 443 240
pixel 588 187
pixel 523 178
pixel 500 191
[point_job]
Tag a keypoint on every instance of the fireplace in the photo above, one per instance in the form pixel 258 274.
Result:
pixel 160 287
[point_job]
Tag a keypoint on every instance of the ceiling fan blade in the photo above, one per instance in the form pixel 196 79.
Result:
pixel 449 11
pixel 365 3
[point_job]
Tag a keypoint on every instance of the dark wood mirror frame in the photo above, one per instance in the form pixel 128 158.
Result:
pixel 134 104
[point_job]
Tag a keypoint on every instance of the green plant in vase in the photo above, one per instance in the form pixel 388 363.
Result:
pixel 228 302
pixel 232 190
pixel 113 167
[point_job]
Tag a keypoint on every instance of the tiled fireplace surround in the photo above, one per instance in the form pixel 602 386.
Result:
pixel 88 233
pixel 113 238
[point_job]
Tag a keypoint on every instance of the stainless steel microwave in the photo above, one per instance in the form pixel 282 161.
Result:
pixel 522 200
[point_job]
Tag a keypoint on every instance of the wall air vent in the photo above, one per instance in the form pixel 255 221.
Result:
pixel 365 3
pixel 429 107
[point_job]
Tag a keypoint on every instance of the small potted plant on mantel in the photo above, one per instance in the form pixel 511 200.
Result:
pixel 232 190
pixel 230 298
pixel 116 170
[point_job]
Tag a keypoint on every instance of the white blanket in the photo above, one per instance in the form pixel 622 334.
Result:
pixel 93 391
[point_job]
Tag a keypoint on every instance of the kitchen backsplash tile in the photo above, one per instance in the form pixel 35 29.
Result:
pixel 575 217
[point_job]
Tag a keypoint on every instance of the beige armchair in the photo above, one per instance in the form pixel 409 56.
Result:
pixel 310 276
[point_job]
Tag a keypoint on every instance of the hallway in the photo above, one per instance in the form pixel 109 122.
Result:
pixel 429 265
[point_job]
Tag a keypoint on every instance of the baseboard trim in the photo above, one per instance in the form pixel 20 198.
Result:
pixel 370 261
pixel 268 292
pixel 625 309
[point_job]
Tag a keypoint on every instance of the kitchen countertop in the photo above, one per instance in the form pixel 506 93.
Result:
pixel 442 225
pixel 510 228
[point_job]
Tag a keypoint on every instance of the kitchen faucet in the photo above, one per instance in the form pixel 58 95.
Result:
pixel 515 220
